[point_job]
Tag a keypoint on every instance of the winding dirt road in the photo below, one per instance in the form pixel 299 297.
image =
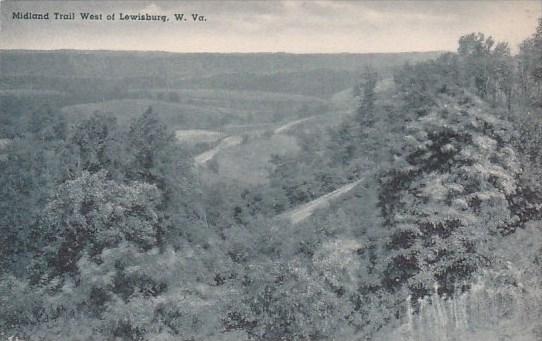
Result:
pixel 284 128
pixel 227 142
pixel 304 211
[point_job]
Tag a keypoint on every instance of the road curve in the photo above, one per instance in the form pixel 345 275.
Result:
pixel 287 126
pixel 227 142
pixel 304 211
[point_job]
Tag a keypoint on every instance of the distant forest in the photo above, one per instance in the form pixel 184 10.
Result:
pixel 158 196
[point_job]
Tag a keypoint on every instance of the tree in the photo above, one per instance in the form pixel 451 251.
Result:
pixel 90 214
pixel 46 124
pixel 148 140
pixel 99 145
pixel 475 50
pixel 503 70
pixel 156 159
pixel 343 143
pixel 449 192
pixel 526 62
pixel 530 65
pixel 537 44
pixel 366 109
pixel 30 173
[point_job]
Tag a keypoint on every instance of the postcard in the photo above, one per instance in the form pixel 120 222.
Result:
pixel 270 170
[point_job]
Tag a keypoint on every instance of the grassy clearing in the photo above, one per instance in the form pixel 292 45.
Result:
pixel 195 136
pixel 248 163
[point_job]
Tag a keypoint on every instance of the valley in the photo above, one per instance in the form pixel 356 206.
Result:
pixel 271 196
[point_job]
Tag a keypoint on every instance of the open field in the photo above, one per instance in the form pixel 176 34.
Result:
pixel 195 136
pixel 248 162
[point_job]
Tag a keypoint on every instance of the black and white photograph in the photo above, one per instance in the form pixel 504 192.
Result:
pixel 282 170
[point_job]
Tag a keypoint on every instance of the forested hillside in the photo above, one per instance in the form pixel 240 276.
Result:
pixel 406 207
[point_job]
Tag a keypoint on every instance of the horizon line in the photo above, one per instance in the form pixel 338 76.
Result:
pixel 213 52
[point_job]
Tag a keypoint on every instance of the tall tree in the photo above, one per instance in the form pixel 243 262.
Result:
pixel 366 109
pixel 156 158
pixel 503 72
pixel 475 49
pixel 537 69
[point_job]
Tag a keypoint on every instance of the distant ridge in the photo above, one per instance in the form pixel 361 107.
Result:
pixel 123 64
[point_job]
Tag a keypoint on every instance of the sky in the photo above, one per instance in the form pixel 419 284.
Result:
pixel 268 26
